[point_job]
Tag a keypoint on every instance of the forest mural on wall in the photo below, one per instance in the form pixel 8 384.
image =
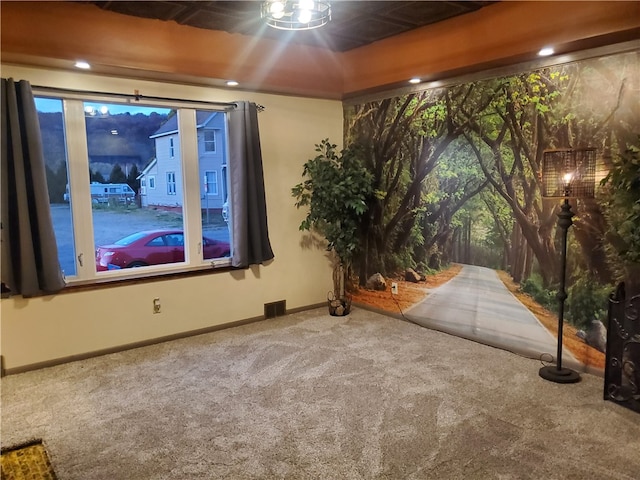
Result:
pixel 455 175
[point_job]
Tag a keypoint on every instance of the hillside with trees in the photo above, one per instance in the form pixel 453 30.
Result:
pixel 119 148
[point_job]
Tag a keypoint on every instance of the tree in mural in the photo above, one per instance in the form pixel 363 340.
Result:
pixel 418 148
pixel 482 231
pixel 402 139
pixel 509 139
pixel 622 211
pixel 601 111
pixel 455 180
pixel 501 226
pixel 456 174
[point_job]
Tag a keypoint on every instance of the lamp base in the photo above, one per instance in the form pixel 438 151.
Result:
pixel 559 375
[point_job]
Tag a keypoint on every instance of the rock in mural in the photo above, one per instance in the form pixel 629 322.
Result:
pixel 410 275
pixel 595 336
pixel 376 282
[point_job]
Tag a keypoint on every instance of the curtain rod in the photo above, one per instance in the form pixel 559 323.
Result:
pixel 136 96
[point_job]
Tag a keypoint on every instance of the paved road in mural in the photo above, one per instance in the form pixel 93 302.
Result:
pixel 476 305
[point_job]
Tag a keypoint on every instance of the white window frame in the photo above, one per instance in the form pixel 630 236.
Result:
pixel 171 183
pixel 209 142
pixel 212 186
pixel 79 189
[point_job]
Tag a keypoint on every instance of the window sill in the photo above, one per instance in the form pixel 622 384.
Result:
pixel 103 283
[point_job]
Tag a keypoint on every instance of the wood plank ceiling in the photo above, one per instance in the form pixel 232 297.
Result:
pixel 353 23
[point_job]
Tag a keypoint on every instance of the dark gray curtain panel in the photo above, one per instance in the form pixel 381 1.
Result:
pixel 248 206
pixel 29 259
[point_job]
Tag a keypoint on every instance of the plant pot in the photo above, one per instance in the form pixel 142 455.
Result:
pixel 338 307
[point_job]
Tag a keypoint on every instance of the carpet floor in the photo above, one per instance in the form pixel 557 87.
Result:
pixel 310 396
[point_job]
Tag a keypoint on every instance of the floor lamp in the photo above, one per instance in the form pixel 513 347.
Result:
pixel 566 173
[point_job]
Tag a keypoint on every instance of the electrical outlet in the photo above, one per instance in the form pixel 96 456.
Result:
pixel 394 288
pixel 156 305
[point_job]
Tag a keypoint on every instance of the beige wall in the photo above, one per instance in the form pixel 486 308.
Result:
pixel 58 326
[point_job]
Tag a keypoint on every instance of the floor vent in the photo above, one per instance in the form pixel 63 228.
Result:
pixel 275 309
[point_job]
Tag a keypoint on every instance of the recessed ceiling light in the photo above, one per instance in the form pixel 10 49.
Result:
pixel 415 80
pixel 83 65
pixel 232 83
pixel 546 51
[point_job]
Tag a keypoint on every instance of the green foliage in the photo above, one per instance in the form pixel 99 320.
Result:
pixel 336 190
pixel 587 301
pixel 96 176
pixel 132 178
pixel 117 175
pixel 622 206
pixel 534 287
pixel 56 182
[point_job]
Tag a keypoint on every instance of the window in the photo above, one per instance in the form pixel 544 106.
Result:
pixel 211 183
pixel 52 127
pixel 103 227
pixel 171 183
pixel 210 141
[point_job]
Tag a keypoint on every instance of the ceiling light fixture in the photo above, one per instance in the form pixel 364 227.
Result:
pixel 415 80
pixel 546 51
pixel 296 14
pixel 82 64
pixel 232 83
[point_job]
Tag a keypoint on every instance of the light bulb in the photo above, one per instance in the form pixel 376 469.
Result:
pixel 304 16
pixel 276 7
pixel 566 181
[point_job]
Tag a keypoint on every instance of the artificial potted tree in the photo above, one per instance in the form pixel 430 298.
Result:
pixel 335 188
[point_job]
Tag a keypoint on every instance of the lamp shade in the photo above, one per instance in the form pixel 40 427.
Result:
pixel 569 172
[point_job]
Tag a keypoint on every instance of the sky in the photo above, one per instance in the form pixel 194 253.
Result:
pixel 55 105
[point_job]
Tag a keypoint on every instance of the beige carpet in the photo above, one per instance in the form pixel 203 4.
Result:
pixel 310 396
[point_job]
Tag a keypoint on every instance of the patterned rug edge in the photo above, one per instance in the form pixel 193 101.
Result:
pixel 27 460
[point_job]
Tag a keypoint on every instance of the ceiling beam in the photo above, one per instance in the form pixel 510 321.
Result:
pixel 496 35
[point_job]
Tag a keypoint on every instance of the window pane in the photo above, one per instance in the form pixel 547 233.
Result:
pixel 212 158
pixel 211 183
pixel 126 145
pixel 209 141
pixel 55 156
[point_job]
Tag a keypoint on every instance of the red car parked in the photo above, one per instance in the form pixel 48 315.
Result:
pixel 153 247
